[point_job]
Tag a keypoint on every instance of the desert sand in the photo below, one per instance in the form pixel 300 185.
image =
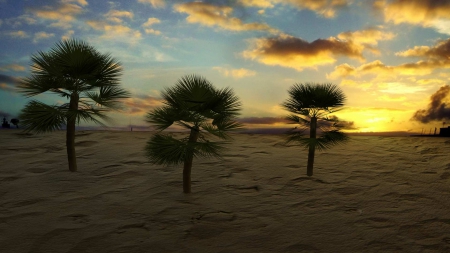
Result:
pixel 373 194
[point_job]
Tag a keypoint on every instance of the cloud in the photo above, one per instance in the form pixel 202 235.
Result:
pixel 141 104
pixel 440 51
pixel 117 16
pixel 18 21
pixel 292 52
pixel 12 67
pixel 438 108
pixel 154 3
pixel 9 79
pixel 236 73
pixel 341 124
pixel 367 38
pixel 42 36
pixel 418 12
pixel 62 13
pixel 257 3
pixel 325 8
pixel 7 87
pixel 377 67
pixel 115 31
pixel 150 22
pixel 213 15
pixel 7 83
pixel 18 34
pixel 434 57
pixel 68 35
pixel 296 53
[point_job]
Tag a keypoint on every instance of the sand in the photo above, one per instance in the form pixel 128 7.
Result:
pixel 374 194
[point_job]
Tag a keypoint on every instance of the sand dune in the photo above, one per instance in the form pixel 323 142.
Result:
pixel 374 194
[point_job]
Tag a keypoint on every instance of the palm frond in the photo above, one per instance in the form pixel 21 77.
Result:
pixel 295 135
pixel 331 138
pixel 166 150
pixel 310 96
pixel 39 117
pixel 108 96
pixel 162 117
pixel 221 129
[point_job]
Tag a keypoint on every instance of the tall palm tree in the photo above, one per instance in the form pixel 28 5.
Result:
pixel 78 72
pixel 310 103
pixel 194 104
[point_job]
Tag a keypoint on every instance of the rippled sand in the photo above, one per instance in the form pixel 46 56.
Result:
pixel 374 194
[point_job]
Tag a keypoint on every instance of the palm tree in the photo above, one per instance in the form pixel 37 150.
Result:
pixel 78 72
pixel 309 103
pixel 194 104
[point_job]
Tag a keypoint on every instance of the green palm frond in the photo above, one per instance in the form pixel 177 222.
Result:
pixel 226 103
pixel 73 67
pixel 325 141
pixel 295 135
pixel 331 138
pixel 108 96
pixel 162 117
pixel 39 117
pixel 314 98
pixel 35 85
pixel 221 129
pixel 166 150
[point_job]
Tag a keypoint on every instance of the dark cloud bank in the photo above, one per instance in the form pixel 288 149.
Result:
pixel 438 109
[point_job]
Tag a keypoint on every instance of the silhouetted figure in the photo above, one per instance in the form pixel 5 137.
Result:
pixel 15 122
pixel 5 123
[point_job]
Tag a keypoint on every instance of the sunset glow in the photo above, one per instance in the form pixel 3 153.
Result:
pixel 390 57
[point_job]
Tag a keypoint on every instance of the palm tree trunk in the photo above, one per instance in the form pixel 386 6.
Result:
pixel 70 133
pixel 312 147
pixel 188 162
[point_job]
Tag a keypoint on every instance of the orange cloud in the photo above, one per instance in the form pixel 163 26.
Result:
pixel 18 34
pixel 325 8
pixel 435 57
pixel 149 23
pixel 419 68
pixel 42 36
pixel 13 67
pixel 367 38
pixel 141 104
pixel 296 53
pixel 114 31
pixel 7 87
pixel 63 13
pixel 257 3
pixel 236 73
pixel 441 51
pixel 418 12
pixel 220 16
pixel 154 3
pixel 117 16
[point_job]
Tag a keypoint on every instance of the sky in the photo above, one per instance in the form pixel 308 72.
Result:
pixel 390 57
